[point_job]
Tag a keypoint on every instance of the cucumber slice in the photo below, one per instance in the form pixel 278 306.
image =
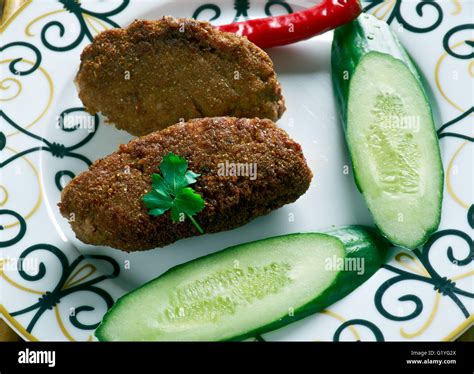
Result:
pixel 389 130
pixel 247 289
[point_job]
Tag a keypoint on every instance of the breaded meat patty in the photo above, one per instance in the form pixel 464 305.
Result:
pixel 107 200
pixel 153 74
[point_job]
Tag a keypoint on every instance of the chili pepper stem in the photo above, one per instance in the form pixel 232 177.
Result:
pixel 201 231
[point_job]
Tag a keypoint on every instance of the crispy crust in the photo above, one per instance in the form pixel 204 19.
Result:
pixel 107 201
pixel 156 73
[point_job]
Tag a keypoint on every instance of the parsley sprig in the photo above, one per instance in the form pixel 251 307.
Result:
pixel 171 191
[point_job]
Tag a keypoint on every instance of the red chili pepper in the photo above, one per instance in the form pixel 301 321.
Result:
pixel 291 28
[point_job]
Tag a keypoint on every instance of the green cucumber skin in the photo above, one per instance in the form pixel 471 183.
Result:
pixel 350 45
pixel 358 241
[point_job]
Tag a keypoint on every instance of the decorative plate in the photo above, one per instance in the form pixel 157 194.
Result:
pixel 54 287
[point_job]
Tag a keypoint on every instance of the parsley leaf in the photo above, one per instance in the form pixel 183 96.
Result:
pixel 171 191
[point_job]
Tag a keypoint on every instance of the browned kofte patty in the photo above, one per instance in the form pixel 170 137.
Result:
pixel 157 73
pixel 107 200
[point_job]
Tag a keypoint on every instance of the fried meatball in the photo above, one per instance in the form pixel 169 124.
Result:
pixel 156 73
pixel 107 200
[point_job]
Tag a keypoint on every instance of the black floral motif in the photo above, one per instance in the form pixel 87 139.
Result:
pixel 470 43
pixel 442 130
pixel 337 334
pixel 56 149
pixel 212 7
pixel 362 322
pixel 21 233
pixel 14 62
pixel 75 7
pixel 441 284
pixel 62 289
pixel 396 13
pixel 241 9
pixel 277 3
